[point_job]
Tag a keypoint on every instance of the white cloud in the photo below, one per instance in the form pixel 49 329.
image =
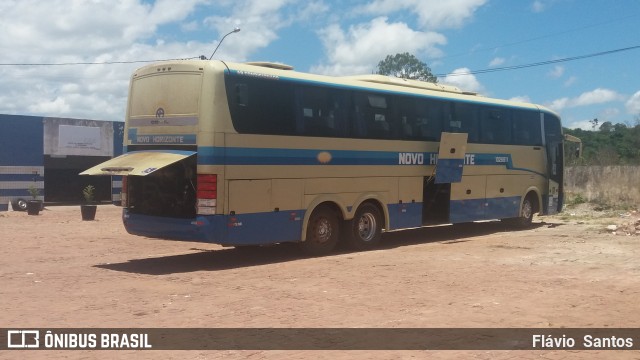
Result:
pixel 633 104
pixel 36 30
pixel 559 104
pixel 312 10
pixel 570 81
pixel 597 96
pixel 497 62
pixel 608 114
pixel 557 71
pixel 359 49
pixel 61 31
pixel 538 6
pixel 190 26
pixel 582 124
pixel 432 14
pixel 462 79
pixel 259 20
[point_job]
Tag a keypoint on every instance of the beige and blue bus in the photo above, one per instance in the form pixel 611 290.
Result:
pixel 256 153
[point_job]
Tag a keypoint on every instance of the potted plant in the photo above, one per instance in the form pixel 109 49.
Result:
pixel 34 205
pixel 88 210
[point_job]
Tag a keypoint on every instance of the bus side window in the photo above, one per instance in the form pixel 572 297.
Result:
pixel 378 126
pixel 465 120
pixel 320 112
pixel 429 119
pixel 242 94
pixel 495 126
pixel 526 128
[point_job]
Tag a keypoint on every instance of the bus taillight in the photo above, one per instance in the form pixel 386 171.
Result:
pixel 207 194
pixel 123 192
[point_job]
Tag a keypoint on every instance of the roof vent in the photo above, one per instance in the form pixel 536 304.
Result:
pixel 271 65
pixel 390 80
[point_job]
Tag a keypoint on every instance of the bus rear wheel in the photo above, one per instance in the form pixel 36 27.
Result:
pixel 364 231
pixel 322 232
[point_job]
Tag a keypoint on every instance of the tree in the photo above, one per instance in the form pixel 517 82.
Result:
pixel 606 127
pixel 406 66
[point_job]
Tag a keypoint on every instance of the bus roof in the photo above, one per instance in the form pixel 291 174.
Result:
pixel 379 82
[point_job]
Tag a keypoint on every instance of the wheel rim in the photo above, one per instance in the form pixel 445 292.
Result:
pixel 323 231
pixel 527 209
pixel 367 227
pixel 22 204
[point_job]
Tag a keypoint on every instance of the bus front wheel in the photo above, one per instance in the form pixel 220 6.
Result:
pixel 526 213
pixel 322 232
pixel 365 229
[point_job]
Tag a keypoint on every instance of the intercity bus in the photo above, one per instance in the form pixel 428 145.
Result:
pixel 256 153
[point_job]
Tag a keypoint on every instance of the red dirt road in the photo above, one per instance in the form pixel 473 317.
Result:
pixel 58 271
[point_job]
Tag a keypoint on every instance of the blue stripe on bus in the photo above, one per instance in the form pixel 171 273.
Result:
pixel 484 209
pixel 274 156
pixel 244 229
pixel 286 226
pixel 503 208
pixel 405 216
pixel 262 156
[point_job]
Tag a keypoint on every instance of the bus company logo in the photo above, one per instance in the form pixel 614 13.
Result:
pixel 324 157
pixel 410 158
pixel 149 170
pixel 160 112
pixel 23 339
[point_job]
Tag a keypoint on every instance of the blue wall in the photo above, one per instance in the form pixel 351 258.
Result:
pixel 21 140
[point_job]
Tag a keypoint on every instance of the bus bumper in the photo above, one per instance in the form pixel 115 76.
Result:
pixel 246 229
pixel 210 229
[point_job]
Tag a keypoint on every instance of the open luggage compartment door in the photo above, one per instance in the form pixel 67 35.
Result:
pixel 453 148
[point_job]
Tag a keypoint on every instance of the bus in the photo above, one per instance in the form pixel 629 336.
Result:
pixel 243 154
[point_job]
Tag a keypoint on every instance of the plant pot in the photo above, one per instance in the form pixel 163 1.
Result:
pixel 34 207
pixel 88 212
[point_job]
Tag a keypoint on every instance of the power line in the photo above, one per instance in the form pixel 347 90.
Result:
pixel 541 63
pixel 94 63
pixel 540 37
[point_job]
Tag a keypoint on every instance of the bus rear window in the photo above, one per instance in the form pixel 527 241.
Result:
pixel 180 90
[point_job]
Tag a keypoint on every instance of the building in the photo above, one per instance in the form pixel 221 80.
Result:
pixel 48 153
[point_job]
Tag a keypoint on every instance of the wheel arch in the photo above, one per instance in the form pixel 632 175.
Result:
pixel 322 201
pixel 344 213
pixel 375 200
pixel 537 197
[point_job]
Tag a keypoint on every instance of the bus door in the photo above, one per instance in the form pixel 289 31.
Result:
pixel 555 164
pixel 448 170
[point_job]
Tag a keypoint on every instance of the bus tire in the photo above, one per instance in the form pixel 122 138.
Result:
pixel 364 231
pixel 323 232
pixel 526 213
pixel 20 204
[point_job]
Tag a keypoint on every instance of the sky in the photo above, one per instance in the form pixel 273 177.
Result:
pixel 454 37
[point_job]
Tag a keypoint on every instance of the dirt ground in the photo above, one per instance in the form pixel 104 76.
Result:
pixel 567 271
